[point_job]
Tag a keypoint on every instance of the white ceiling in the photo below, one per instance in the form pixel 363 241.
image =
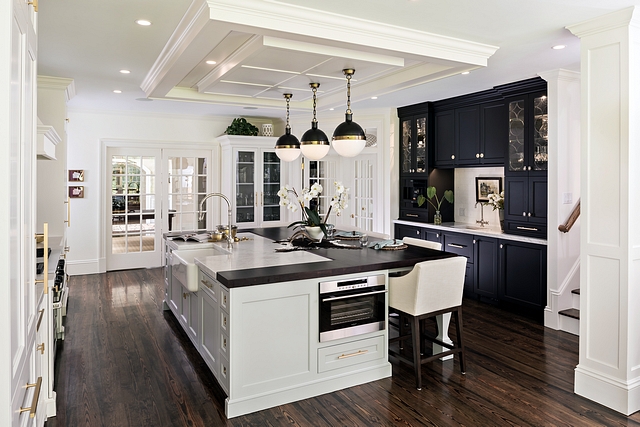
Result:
pixel 395 47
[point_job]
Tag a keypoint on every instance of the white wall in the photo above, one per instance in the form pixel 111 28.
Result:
pixel 464 193
pixel 86 130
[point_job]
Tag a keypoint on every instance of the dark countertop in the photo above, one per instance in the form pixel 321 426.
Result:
pixel 343 261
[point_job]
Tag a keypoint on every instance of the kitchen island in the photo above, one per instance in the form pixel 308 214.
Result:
pixel 255 316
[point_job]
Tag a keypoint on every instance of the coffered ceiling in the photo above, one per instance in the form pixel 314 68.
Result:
pixel 403 51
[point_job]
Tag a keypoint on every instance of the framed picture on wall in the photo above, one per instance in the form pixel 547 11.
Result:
pixel 76 192
pixel 76 175
pixel 486 186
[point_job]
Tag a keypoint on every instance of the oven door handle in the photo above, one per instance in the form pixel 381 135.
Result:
pixel 354 295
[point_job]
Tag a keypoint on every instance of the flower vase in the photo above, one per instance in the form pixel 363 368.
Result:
pixel 437 218
pixel 501 215
pixel 315 233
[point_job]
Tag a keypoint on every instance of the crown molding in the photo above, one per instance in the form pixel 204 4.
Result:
pixel 58 83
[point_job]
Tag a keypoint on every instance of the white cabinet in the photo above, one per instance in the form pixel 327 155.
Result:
pixel 252 174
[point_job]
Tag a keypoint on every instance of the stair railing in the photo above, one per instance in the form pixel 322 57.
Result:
pixel 573 217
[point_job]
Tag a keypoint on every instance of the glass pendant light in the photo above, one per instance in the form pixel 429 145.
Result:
pixel 314 143
pixel 349 138
pixel 287 146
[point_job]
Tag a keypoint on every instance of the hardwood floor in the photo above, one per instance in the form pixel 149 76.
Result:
pixel 125 362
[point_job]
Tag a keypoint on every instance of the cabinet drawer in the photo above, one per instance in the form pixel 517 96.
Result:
pixel 223 377
pixel 417 215
pixel 224 345
pixel 526 229
pixel 224 298
pixel 460 244
pixel 351 353
pixel 208 285
pixel 224 322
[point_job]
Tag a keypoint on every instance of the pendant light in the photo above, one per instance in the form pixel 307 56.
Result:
pixel 314 143
pixel 349 138
pixel 287 146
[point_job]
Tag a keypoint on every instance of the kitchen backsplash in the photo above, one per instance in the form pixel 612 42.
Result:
pixel 465 195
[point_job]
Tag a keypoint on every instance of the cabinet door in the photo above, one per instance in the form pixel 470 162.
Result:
pixel 516 198
pixel 246 187
pixel 432 236
pixel 444 138
pixel 537 212
pixel 270 208
pixel 517 133
pixel 403 231
pixel 493 133
pixel 210 334
pixel 420 149
pixel 523 274
pixel 486 264
pixel 406 147
pixel 538 146
pixel 467 137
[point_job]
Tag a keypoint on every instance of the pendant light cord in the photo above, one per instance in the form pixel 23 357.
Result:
pixel 348 93
pixel 288 98
pixel 314 89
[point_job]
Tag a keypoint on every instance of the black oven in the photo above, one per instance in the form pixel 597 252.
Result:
pixel 352 307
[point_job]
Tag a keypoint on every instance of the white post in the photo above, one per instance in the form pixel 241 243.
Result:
pixel 609 366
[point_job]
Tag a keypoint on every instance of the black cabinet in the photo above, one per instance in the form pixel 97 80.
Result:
pixel 486 263
pixel 414 144
pixel 462 244
pixel 528 143
pixel 525 203
pixel 444 138
pixel 523 274
pixel 401 231
pixel 468 135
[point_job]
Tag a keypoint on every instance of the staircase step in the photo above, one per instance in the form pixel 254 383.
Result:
pixel 570 312
pixel 576 291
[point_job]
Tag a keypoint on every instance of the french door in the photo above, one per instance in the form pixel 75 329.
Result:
pixel 151 191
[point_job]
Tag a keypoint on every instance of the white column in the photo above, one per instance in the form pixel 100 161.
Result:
pixel 563 249
pixel 609 367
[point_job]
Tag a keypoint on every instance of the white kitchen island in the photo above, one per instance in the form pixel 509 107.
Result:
pixel 261 340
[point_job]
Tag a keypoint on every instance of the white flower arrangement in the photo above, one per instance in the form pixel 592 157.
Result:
pixel 310 217
pixel 496 201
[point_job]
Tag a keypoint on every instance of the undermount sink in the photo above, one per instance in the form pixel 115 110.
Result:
pixel 473 227
pixel 184 269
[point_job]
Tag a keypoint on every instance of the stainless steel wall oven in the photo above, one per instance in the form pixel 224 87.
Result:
pixel 352 307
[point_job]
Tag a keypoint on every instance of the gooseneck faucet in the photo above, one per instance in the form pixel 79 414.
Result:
pixel 481 221
pixel 201 213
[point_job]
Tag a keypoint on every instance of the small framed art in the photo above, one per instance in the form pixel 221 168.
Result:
pixel 76 192
pixel 486 186
pixel 76 175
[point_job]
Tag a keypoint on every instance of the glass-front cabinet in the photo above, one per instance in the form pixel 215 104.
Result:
pixel 251 176
pixel 257 181
pixel 414 145
pixel 528 135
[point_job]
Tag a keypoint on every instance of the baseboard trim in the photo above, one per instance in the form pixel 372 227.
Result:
pixel 610 392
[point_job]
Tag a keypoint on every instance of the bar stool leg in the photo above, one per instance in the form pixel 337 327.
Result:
pixel 417 360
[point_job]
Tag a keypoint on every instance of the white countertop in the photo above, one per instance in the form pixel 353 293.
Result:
pixel 475 230
pixel 256 252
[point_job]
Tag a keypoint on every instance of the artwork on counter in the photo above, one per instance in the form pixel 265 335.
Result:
pixel 76 192
pixel 76 175
pixel 486 186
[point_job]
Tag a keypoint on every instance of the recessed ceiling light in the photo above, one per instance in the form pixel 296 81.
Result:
pixel 374 97
pixel 331 109
pixel 143 22
pixel 211 62
pixel 558 47
pixel 125 71
pixel 464 73
pixel 117 91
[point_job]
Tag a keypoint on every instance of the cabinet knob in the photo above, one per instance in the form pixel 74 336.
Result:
pixel 417 232
pixel 524 214
pixel 529 214
pixel 437 234
pixel 501 246
pixel 474 241
pixel 482 155
pixel 528 168
pixel 453 156
pixel 477 156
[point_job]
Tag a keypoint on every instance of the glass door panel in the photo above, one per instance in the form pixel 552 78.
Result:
pixel 187 187
pixel 421 145
pixel 406 146
pixel 516 135
pixel 363 193
pixel 540 133
pixel 270 185
pixel 245 186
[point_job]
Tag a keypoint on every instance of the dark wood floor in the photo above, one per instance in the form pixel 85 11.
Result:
pixel 125 362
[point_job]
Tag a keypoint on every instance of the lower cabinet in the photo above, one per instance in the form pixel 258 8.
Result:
pixel 523 274
pixel 499 271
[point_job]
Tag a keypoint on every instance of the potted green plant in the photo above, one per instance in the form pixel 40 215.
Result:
pixel 241 126
pixel 431 194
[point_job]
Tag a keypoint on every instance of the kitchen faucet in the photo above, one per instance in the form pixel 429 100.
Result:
pixel 201 213
pixel 481 221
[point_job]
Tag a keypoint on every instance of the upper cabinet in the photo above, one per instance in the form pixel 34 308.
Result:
pixel 470 130
pixel 252 174
pixel 414 142
pixel 528 140
pixel 48 138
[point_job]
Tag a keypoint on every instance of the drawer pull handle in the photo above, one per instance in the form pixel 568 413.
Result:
pixel 527 228
pixel 34 401
pixel 411 215
pixel 41 311
pixel 357 353
pixel 40 348
pixel 453 245
pixel 206 283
